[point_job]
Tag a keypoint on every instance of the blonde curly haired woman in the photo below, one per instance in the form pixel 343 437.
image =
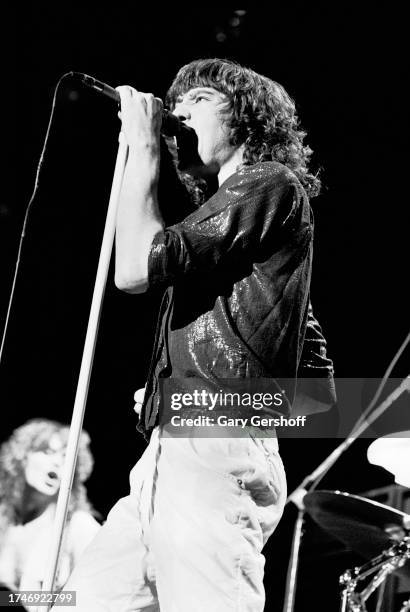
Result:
pixel 31 462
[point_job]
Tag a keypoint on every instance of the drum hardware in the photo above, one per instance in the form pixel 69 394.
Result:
pixel 311 481
pixel 406 606
pixel 353 600
pixel 375 531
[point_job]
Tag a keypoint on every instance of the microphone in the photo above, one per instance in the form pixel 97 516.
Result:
pixel 171 125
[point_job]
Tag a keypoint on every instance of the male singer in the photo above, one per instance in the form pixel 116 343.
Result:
pixel 236 275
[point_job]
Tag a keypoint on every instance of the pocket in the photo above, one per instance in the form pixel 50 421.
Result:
pixel 275 467
pixel 225 457
pixel 246 461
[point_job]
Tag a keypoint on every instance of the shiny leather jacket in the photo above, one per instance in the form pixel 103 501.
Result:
pixel 237 274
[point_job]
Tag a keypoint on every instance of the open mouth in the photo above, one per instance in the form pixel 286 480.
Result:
pixel 187 147
pixel 52 478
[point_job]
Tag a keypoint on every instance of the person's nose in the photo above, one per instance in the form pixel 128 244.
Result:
pixel 57 460
pixel 182 112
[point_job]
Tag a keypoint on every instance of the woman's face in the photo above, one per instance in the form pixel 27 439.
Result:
pixel 43 467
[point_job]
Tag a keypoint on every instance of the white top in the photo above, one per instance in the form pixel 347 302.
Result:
pixel 24 551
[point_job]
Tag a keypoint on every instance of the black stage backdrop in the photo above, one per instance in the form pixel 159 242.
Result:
pixel 346 72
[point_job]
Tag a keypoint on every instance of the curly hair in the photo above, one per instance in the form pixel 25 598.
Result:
pixel 260 114
pixel 31 437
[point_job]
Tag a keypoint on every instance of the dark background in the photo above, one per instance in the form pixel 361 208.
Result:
pixel 345 70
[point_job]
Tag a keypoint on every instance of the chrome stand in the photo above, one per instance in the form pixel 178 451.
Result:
pixel 382 566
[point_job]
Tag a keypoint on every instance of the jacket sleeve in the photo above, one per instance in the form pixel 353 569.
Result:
pixel 245 214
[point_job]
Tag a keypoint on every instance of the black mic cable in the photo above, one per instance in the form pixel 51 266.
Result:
pixel 28 209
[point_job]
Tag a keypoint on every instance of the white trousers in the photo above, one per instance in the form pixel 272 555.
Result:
pixel 189 536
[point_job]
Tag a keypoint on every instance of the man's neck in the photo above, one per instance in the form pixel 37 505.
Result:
pixel 230 166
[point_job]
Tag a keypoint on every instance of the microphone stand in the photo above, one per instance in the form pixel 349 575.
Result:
pixel 312 480
pixel 85 370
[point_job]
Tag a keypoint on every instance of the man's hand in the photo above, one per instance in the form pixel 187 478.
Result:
pixel 139 399
pixel 141 116
pixel 138 215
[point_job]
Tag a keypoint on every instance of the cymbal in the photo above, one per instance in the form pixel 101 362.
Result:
pixel 366 526
pixel 392 453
